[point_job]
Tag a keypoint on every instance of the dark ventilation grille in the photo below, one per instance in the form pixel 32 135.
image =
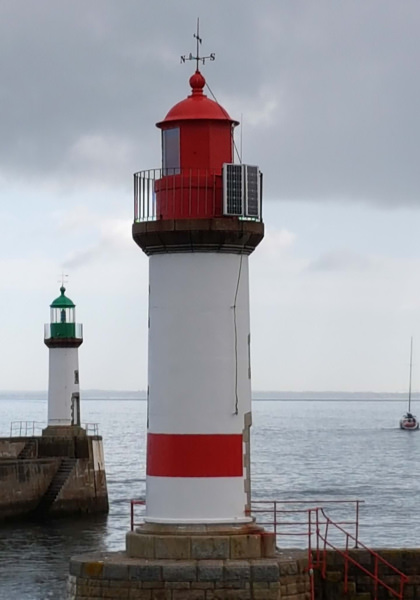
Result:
pixel 242 191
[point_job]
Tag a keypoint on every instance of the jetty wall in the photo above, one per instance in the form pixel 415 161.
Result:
pixel 45 475
pixel 23 483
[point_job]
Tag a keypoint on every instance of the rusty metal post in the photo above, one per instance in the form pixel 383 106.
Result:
pixel 132 514
pixel 275 518
pixel 357 524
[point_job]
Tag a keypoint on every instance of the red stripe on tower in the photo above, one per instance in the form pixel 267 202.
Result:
pixel 195 455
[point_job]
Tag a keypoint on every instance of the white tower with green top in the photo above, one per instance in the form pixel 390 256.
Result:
pixel 63 336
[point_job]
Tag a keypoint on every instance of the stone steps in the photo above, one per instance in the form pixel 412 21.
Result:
pixel 29 450
pixel 57 482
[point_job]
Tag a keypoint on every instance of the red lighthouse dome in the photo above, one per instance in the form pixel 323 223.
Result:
pixel 196 106
pixel 197 133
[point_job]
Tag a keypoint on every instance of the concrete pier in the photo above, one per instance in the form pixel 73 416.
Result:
pixel 52 475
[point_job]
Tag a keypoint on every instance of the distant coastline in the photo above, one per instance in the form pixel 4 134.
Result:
pixel 140 395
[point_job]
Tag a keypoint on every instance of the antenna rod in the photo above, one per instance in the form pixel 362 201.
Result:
pixel 411 368
pixel 198 43
pixel 242 124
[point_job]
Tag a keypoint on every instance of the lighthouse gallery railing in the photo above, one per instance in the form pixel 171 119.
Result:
pixel 186 193
pixel 73 330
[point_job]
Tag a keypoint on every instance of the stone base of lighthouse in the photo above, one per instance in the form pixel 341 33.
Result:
pixel 200 542
pixel 116 576
pixel 192 563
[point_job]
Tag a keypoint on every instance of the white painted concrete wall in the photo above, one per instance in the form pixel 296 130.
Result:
pixel 63 363
pixel 198 382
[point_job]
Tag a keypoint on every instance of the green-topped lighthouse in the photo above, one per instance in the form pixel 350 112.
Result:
pixel 62 471
pixel 63 336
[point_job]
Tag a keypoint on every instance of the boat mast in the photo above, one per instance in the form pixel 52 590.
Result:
pixel 411 368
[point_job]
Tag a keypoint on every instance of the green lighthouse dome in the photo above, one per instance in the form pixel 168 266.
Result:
pixel 62 301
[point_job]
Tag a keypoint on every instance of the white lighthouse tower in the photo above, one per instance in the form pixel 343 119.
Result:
pixel 63 336
pixel 198 218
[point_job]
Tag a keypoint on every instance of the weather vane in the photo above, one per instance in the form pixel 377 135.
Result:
pixel 197 57
pixel 64 279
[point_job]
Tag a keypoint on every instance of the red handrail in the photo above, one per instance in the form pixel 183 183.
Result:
pixel 378 559
pixel 134 503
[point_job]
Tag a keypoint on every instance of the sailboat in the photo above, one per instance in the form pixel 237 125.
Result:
pixel 409 421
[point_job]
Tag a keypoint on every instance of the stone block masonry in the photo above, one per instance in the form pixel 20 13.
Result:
pixel 115 576
pixel 52 475
pixel 23 483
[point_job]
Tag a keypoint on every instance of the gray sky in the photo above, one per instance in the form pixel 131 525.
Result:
pixel 329 95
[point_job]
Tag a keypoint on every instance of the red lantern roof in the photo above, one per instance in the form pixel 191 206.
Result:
pixel 197 106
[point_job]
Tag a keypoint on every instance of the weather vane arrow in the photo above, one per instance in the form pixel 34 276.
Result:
pixel 197 57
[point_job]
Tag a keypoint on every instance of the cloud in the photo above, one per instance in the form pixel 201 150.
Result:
pixel 113 242
pixel 343 260
pixel 100 159
pixel 328 95
pixel 277 241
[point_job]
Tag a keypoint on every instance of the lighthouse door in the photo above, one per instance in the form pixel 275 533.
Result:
pixel 75 408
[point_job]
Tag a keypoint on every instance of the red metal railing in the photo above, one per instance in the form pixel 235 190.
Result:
pixel 177 193
pixel 134 503
pixel 269 514
pixel 283 521
pixel 186 194
pixel 293 521
pixel 317 517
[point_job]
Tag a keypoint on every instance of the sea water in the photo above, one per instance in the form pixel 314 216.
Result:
pixel 301 450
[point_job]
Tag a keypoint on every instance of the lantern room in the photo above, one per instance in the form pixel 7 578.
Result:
pixel 198 178
pixel 197 133
pixel 63 319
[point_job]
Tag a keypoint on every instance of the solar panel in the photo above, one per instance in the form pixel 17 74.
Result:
pixel 233 189
pixel 252 191
pixel 242 191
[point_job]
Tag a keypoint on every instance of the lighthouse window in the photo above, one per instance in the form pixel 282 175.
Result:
pixel 170 151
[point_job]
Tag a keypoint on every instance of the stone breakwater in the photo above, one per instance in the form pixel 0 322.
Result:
pixel 114 576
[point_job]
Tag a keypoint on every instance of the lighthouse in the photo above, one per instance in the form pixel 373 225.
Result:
pixel 198 218
pixel 63 336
